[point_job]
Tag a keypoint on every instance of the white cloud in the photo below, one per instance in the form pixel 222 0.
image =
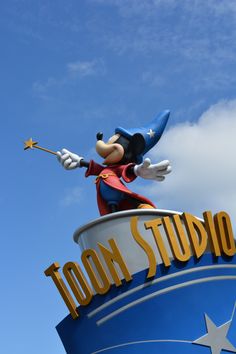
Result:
pixel 153 79
pixel 41 87
pixel 74 70
pixel 195 30
pixel 86 68
pixel 203 160
pixel 145 8
pixel 72 196
pixel 191 40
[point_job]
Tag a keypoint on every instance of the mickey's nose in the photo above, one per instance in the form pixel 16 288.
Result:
pixel 99 136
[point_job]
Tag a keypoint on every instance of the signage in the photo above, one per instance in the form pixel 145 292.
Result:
pixel 177 238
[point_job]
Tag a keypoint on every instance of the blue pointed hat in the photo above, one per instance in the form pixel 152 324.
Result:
pixel 150 134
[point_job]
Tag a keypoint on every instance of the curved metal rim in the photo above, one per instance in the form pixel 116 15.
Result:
pixel 120 214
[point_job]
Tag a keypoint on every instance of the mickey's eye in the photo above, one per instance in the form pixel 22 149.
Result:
pixel 113 139
pixel 99 136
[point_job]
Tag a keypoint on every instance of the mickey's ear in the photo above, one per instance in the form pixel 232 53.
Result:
pixel 137 144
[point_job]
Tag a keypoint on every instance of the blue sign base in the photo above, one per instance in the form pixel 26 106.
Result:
pixel 178 311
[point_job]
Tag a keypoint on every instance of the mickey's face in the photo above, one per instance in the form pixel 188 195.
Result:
pixel 111 151
pixel 120 149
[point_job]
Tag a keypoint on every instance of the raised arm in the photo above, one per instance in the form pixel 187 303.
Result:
pixel 70 161
pixel 155 172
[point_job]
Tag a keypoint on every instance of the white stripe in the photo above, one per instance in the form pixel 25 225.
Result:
pixel 161 292
pixel 143 342
pixel 158 280
pixel 232 316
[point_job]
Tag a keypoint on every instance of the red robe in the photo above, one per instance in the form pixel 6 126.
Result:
pixel 111 176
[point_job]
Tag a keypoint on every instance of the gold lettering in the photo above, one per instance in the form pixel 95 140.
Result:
pixel 101 286
pixel 52 272
pixel 178 240
pixel 225 233
pixel 197 234
pixel 211 231
pixel 115 256
pixel 153 225
pixel 75 277
pixel 145 246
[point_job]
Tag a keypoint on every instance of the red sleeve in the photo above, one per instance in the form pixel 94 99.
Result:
pixel 94 169
pixel 128 173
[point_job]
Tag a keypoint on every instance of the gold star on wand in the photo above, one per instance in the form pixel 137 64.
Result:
pixel 30 144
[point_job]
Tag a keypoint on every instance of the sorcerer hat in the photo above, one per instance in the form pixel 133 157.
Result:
pixel 147 136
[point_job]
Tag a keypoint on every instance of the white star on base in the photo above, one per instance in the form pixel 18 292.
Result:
pixel 151 133
pixel 216 337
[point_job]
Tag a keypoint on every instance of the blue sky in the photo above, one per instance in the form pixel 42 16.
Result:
pixel 72 68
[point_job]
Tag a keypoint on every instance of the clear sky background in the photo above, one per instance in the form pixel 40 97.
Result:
pixel 72 68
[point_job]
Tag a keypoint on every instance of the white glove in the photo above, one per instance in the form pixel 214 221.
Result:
pixel 155 172
pixel 68 159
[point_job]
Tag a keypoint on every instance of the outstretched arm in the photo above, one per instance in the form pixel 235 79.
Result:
pixel 70 161
pixel 155 172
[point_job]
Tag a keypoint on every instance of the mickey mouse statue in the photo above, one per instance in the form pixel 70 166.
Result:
pixel 123 158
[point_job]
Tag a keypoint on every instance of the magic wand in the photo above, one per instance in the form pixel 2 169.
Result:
pixel 30 144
